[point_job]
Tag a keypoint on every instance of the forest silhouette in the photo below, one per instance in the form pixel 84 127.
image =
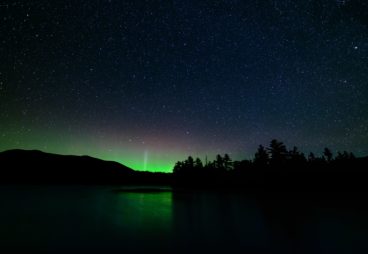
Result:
pixel 276 168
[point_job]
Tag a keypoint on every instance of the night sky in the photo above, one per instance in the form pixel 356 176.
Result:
pixel 147 83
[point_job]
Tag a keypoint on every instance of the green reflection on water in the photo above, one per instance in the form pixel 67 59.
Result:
pixel 145 213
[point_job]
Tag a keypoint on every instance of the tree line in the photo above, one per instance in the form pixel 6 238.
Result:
pixel 275 161
pixel 275 155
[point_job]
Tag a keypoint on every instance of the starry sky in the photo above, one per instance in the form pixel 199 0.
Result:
pixel 147 83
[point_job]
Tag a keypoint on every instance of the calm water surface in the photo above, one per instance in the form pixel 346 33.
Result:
pixel 75 219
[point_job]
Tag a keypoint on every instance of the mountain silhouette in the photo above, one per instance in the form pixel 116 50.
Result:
pixel 33 166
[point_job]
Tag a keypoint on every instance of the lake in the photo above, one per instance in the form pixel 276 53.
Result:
pixel 78 219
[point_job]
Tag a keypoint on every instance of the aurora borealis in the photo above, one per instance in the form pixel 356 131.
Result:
pixel 147 83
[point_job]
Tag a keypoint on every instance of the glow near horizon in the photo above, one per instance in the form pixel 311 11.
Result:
pixel 137 162
pixel 152 156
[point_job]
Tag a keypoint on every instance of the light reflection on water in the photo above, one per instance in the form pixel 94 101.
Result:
pixel 59 219
pixel 96 219
pixel 144 213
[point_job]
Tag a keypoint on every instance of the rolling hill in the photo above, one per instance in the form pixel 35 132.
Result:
pixel 33 166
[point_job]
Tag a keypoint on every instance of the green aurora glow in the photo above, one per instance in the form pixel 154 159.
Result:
pixel 150 156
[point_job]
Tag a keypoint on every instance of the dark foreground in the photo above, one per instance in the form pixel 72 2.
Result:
pixel 113 219
pixel 77 204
